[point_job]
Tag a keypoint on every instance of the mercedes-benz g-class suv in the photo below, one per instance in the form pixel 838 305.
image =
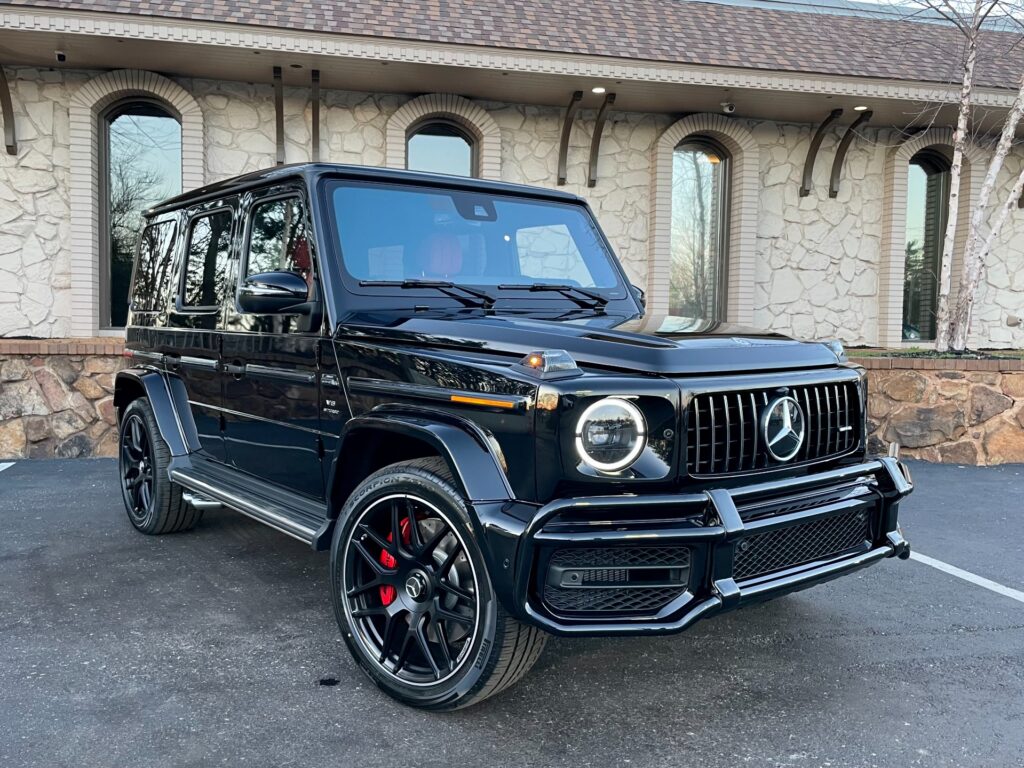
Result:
pixel 451 385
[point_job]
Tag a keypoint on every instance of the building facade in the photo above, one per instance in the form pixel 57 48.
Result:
pixel 766 167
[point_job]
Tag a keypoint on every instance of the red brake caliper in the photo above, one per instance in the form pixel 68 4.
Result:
pixel 387 593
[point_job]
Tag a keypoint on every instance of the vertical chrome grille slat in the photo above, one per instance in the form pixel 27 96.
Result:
pixel 739 409
pixel 728 431
pixel 807 413
pixel 697 438
pixel 847 421
pixel 828 422
pixel 714 437
pixel 724 432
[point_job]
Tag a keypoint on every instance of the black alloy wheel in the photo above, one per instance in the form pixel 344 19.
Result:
pixel 412 594
pixel 154 504
pixel 410 589
pixel 136 466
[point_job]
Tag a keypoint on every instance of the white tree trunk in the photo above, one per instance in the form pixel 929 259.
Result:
pixel 977 245
pixel 942 330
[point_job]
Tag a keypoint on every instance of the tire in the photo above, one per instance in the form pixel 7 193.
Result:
pixel 429 593
pixel 153 503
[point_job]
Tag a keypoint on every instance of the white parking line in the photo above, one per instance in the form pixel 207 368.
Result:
pixel 5 464
pixel 952 570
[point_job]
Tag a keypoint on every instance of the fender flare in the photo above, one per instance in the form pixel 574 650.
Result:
pixel 167 396
pixel 471 456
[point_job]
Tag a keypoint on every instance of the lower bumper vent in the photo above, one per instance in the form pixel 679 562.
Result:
pixel 615 579
pixel 763 553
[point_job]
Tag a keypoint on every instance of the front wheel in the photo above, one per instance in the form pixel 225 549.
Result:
pixel 412 595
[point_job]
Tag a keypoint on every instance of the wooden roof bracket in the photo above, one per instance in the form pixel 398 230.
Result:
pixel 315 153
pixel 844 145
pixel 279 114
pixel 7 108
pixel 812 151
pixel 563 145
pixel 595 141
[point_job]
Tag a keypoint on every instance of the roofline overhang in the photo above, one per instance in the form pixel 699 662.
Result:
pixel 314 46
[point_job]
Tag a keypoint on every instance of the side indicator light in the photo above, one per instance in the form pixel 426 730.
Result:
pixel 485 401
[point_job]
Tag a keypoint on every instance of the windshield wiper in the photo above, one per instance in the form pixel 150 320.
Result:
pixel 581 296
pixel 470 297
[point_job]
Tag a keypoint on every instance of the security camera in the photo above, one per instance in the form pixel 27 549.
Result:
pixel 728 107
pixel 60 56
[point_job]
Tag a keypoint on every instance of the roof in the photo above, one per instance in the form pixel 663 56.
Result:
pixel 311 171
pixel 676 31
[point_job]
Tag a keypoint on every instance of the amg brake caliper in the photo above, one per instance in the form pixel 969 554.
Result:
pixel 387 592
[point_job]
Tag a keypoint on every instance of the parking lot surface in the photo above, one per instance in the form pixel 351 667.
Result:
pixel 209 648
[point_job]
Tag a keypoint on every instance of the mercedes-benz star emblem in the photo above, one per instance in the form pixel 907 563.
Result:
pixel 415 586
pixel 783 428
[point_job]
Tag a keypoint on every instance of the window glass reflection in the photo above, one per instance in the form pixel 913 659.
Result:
pixel 699 229
pixel 440 148
pixel 143 166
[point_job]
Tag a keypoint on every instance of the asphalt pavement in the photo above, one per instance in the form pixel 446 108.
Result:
pixel 218 647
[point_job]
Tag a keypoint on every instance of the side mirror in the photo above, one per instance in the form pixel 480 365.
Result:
pixel 639 295
pixel 274 293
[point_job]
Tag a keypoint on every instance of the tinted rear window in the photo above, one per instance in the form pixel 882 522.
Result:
pixel 153 270
pixel 206 260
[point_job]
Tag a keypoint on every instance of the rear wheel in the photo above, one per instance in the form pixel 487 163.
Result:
pixel 412 595
pixel 154 504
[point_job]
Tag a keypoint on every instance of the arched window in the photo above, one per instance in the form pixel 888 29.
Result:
pixel 439 146
pixel 927 213
pixel 140 151
pixel 700 229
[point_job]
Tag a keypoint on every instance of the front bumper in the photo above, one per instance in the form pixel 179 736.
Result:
pixel 736 543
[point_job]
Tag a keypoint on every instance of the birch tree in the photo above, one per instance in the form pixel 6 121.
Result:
pixel 983 226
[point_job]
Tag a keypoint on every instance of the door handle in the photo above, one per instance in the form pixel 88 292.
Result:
pixel 236 370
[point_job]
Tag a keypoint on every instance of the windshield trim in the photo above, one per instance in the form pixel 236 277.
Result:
pixel 509 299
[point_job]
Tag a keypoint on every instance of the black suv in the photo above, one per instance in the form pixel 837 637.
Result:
pixel 451 385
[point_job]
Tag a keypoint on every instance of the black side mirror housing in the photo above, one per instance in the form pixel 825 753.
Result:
pixel 274 293
pixel 639 295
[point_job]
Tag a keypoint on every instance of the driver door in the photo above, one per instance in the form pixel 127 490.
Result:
pixel 271 394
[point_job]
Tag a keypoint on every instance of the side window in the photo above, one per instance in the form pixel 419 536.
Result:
pixel 206 260
pixel 278 239
pixel 550 252
pixel 153 267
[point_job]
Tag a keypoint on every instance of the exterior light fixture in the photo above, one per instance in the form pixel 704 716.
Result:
pixel 860 108
pixel 598 89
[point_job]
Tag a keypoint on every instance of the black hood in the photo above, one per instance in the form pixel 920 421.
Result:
pixel 660 345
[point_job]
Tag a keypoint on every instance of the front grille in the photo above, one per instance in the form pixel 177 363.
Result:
pixel 624 580
pixel 724 434
pixel 781 548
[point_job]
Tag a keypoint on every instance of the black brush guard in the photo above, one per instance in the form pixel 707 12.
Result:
pixel 746 544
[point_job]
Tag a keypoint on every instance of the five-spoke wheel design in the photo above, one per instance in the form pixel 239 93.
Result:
pixel 137 466
pixel 410 590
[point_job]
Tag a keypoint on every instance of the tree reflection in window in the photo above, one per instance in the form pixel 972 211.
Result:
pixel 207 258
pixel 699 234
pixel 142 157
pixel 927 210
pixel 153 272
pixel 279 241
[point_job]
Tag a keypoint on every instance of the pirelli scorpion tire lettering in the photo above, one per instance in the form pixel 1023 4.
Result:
pixel 412 595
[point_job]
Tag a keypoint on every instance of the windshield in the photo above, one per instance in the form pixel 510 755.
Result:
pixel 391 233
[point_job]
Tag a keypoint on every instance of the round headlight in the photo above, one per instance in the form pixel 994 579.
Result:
pixel 611 434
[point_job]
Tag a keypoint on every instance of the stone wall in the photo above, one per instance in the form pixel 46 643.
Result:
pixel 950 411
pixel 56 398
pixel 817 258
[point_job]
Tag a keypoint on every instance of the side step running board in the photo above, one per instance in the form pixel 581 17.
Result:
pixel 268 514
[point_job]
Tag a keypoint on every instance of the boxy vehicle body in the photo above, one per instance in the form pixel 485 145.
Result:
pixel 451 385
